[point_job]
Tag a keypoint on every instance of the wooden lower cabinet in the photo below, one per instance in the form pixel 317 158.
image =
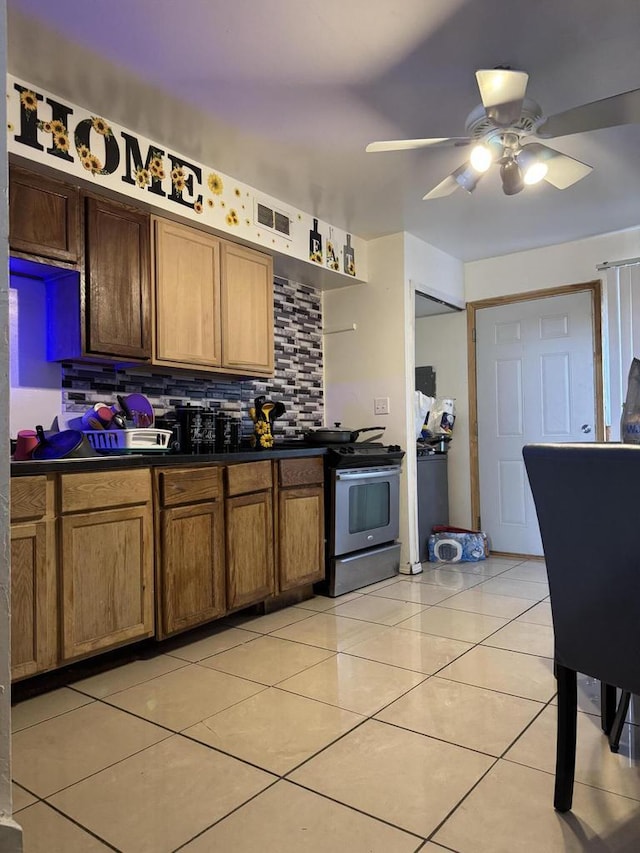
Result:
pixel 34 614
pixel 249 549
pixel 84 547
pixel 106 579
pixel 34 603
pixel 300 536
pixel 191 572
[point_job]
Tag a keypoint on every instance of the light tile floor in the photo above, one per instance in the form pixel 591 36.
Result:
pixel 417 714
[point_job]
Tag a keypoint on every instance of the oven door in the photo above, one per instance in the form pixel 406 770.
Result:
pixel 366 507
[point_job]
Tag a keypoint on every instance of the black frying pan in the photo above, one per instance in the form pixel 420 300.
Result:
pixel 325 435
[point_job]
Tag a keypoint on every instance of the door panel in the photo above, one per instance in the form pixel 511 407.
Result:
pixel 535 383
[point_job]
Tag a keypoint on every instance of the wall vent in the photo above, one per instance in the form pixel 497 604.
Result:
pixel 275 220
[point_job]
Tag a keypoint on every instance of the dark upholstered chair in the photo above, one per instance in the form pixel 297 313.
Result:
pixel 587 497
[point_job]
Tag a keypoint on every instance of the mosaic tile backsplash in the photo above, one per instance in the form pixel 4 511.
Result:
pixel 297 380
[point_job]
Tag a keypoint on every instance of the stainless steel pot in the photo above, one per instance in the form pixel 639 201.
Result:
pixel 325 435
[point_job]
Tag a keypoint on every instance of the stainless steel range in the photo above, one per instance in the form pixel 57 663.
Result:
pixel 362 515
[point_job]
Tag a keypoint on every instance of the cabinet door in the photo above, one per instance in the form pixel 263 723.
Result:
pixel 247 309
pixel 34 620
pixel 187 296
pixel 107 579
pixel 192 583
pixel 249 547
pixel 300 536
pixel 118 284
pixel 43 216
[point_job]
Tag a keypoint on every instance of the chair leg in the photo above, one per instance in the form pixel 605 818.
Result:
pixel 607 706
pixel 566 739
pixel 618 723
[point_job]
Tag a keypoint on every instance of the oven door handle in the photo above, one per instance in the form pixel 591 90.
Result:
pixel 356 474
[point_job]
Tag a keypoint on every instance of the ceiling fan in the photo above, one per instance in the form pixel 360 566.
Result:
pixel 499 125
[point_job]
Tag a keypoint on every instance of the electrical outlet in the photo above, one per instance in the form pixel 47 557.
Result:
pixel 381 406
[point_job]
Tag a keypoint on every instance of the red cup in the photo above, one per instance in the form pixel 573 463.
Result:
pixel 26 443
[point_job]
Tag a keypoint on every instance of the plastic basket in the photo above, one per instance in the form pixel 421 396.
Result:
pixel 147 440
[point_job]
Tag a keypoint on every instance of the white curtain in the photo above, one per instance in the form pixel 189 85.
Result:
pixel 621 332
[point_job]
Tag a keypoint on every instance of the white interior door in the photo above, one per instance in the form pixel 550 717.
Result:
pixel 535 383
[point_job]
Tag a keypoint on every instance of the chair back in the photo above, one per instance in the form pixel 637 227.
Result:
pixel 587 498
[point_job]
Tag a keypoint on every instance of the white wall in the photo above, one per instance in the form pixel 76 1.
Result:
pixel 567 263
pixel 441 342
pixel 370 361
pixel 10 833
pixel 378 358
pixel 433 272
pixel 35 383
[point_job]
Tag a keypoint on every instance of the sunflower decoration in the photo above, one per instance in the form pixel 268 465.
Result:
pixel 237 192
pixel 58 131
pixel 232 218
pixel 262 432
pixel 29 100
pixel 61 141
pixel 178 179
pixel 92 164
pixel 316 257
pixel 101 126
pixel 198 207
pixel 215 184
pixel 351 267
pixel 156 166
pixel 143 177
pixel 210 202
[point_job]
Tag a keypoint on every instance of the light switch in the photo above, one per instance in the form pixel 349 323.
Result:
pixel 381 406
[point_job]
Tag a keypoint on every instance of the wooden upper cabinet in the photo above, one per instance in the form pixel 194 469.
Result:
pixel 118 284
pixel 247 309
pixel 44 216
pixel 187 296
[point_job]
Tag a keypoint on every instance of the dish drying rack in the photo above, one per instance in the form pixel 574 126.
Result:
pixel 139 440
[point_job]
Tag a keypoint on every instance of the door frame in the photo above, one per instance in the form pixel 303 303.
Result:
pixel 595 288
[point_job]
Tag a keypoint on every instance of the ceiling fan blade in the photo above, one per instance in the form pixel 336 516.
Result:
pixel 443 189
pixel 464 176
pixel 562 170
pixel 565 171
pixel 609 112
pixel 502 92
pixel 407 144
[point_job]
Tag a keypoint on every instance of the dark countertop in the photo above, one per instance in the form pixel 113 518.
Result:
pixel 146 460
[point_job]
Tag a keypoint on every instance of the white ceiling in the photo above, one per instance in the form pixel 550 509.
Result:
pixel 285 94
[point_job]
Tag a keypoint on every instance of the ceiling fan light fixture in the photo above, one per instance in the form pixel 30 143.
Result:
pixel 535 173
pixel 531 160
pixel 481 157
pixel 511 177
